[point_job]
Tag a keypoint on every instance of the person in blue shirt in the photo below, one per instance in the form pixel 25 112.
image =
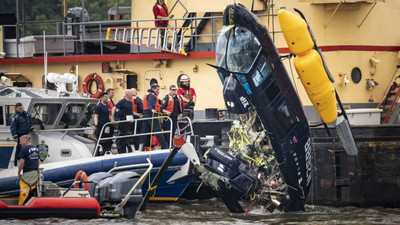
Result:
pixel 123 111
pixel 20 124
pixel 102 116
pixel 29 166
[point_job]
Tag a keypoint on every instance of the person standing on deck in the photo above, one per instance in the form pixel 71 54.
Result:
pixel 102 116
pixel 188 95
pixel 172 105
pixel 110 102
pixel 151 107
pixel 29 166
pixel 123 111
pixel 20 124
pixel 161 14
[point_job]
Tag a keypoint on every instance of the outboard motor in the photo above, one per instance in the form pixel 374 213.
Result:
pixel 240 176
pixel 112 189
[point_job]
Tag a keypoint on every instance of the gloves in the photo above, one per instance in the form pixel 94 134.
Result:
pixel 191 103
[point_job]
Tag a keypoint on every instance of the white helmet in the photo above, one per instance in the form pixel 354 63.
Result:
pixel 184 77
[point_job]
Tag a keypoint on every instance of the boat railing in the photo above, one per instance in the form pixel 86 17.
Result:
pixel 95 32
pixel 185 126
pixel 65 130
pixel 135 131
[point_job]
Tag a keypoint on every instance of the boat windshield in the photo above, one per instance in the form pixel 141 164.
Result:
pixel 45 113
pixel 71 115
pixel 236 49
pixel 88 115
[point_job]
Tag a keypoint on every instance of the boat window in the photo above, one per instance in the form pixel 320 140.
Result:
pixel 262 72
pixel 9 110
pixel 88 115
pixel 243 48
pixel 284 120
pixel 6 91
pixel 356 75
pixel 45 113
pixel 71 115
pixel 1 116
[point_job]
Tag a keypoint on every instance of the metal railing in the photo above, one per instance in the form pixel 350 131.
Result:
pixel 135 132
pixel 95 31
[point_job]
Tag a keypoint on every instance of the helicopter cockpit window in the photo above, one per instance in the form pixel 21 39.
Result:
pixel 262 72
pixel 71 114
pixel 240 47
pixel 220 49
pixel 44 113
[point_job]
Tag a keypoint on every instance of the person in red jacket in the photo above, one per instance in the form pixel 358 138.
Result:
pixel 162 16
pixel 188 95
pixel 172 105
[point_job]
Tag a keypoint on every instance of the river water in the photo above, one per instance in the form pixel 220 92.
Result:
pixel 213 211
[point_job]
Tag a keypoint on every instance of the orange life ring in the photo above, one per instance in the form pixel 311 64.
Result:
pixel 81 175
pixel 87 83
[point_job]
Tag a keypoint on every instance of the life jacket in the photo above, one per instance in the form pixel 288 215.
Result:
pixel 134 106
pixel 170 105
pixel 188 95
pixel 111 104
pixel 146 103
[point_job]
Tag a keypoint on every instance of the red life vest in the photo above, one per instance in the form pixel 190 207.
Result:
pixel 146 103
pixel 188 95
pixel 170 105
pixel 134 106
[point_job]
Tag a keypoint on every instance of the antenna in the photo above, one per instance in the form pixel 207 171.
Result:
pixel 45 61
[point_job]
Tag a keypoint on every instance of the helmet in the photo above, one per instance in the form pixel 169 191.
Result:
pixel 184 77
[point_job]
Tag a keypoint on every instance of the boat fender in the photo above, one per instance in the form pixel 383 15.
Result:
pixel 81 176
pixel 87 83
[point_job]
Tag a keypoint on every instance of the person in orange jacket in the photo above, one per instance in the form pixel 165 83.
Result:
pixel 151 106
pixel 172 105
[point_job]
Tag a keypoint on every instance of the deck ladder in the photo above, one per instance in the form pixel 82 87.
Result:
pixel 150 37
pixel 389 103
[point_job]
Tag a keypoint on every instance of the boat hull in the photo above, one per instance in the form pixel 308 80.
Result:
pixel 73 208
pixel 63 173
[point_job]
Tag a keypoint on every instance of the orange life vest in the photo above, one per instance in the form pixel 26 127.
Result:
pixel 146 103
pixel 170 105
pixel 134 106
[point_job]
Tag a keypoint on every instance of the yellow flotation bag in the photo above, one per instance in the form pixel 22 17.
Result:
pixel 309 65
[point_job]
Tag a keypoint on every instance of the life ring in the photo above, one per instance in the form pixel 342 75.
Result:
pixel 81 175
pixel 87 83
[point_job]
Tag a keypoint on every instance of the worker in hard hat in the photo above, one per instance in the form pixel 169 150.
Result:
pixel 188 95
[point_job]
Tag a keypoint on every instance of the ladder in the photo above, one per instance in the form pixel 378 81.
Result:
pixel 390 101
pixel 151 37
pixel 388 105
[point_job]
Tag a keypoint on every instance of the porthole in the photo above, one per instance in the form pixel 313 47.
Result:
pixel 356 75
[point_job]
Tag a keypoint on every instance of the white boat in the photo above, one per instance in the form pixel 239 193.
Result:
pixel 62 123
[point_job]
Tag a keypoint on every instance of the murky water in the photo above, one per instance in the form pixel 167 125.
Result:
pixel 214 212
